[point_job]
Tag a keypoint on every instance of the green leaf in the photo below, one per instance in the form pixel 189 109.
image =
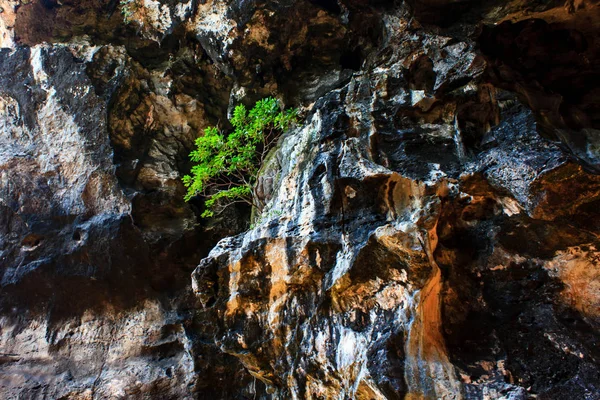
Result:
pixel 226 166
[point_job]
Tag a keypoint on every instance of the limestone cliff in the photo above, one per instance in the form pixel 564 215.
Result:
pixel 431 228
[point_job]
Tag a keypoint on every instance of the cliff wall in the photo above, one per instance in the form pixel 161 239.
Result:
pixel 430 229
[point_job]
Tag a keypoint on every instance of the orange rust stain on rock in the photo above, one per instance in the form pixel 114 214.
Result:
pixel 578 268
pixel 429 373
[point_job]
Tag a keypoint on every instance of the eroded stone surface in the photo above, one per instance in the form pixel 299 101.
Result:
pixel 92 300
pixel 430 228
pixel 378 165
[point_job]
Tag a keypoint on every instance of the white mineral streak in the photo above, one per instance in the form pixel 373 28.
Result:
pixel 158 16
pixel 351 360
pixel 183 9
pixel 343 263
pixel 304 201
pixel 416 96
pixel 460 146
pixel 211 18
pixel 36 60
pixel 59 147
pixel 294 195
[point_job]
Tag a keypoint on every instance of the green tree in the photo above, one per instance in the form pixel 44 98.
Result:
pixel 227 166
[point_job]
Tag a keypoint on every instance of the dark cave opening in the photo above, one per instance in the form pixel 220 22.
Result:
pixel 553 69
pixel 351 59
pixel 330 5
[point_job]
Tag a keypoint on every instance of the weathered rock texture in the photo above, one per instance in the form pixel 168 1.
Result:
pixel 431 225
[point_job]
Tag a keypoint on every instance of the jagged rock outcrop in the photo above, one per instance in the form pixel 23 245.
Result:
pixel 430 228
pixel 416 183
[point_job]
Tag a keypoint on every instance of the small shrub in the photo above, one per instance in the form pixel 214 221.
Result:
pixel 227 166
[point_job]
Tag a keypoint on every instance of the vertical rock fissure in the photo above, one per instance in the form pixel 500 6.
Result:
pixel 428 371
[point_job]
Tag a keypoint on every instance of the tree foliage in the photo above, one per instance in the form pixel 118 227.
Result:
pixel 227 166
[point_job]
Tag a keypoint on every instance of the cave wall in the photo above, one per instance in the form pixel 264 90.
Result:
pixel 430 229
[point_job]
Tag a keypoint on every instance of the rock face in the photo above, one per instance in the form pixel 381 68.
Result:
pixel 430 229
pixel 93 305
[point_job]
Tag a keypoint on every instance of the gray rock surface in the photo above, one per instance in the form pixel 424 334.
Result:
pixel 94 301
